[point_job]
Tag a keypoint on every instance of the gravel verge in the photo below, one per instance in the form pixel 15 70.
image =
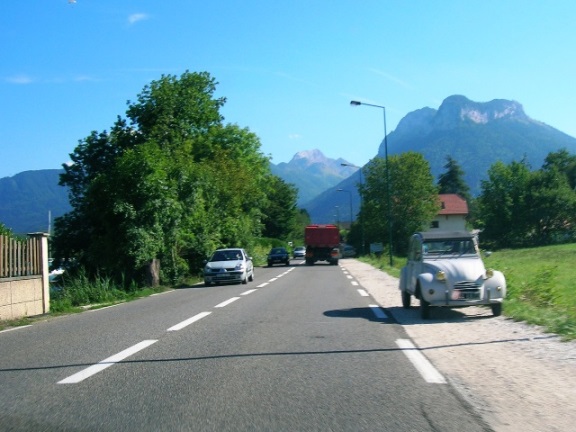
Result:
pixel 517 377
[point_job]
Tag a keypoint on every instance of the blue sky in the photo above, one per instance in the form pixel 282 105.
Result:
pixel 287 68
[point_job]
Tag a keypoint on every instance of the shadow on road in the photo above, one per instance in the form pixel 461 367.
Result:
pixel 361 312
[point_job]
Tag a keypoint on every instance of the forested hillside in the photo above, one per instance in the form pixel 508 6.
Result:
pixel 28 199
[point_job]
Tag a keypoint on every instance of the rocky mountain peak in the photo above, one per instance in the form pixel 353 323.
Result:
pixel 310 156
pixel 457 109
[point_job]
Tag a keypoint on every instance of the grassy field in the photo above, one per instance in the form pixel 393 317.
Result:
pixel 541 285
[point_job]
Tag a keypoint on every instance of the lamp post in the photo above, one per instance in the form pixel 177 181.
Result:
pixel 351 212
pixel 357 103
pixel 360 213
pixel 338 216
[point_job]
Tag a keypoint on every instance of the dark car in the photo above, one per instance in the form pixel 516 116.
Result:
pixel 278 255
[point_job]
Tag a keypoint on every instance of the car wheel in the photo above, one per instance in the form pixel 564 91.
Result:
pixel 251 277
pixel 406 298
pixel 424 309
pixel 496 309
pixel 207 283
pixel 269 264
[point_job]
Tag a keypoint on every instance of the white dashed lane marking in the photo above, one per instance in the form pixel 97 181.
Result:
pixel 189 321
pixel 106 363
pixel 227 302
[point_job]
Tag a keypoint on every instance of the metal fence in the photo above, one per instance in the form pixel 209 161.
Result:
pixel 20 257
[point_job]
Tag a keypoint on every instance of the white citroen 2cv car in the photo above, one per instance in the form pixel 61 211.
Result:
pixel 445 269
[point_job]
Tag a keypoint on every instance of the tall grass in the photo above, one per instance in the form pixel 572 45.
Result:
pixel 77 290
pixel 74 290
pixel 540 286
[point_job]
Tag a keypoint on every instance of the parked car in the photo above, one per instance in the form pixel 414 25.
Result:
pixel 278 255
pixel 228 266
pixel 348 251
pixel 446 269
pixel 299 252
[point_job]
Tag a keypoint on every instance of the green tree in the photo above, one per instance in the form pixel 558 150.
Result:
pixel 168 184
pixel 280 211
pixel 452 180
pixel 551 203
pixel 4 230
pixel 563 162
pixel 503 204
pixel 413 199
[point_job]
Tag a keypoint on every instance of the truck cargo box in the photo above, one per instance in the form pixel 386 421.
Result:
pixel 322 236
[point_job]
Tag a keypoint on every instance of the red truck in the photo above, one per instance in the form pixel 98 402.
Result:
pixel 322 243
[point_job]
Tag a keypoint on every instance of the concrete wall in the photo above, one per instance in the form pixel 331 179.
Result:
pixel 27 295
pixel 21 297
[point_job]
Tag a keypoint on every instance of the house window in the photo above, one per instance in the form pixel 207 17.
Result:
pixel 435 224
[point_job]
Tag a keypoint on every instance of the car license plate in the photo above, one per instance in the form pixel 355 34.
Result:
pixel 469 296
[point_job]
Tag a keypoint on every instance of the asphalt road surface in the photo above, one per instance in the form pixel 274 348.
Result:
pixel 302 348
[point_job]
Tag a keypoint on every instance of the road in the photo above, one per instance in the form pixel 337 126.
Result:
pixel 302 348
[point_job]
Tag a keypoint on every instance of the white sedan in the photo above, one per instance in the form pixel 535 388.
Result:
pixel 228 266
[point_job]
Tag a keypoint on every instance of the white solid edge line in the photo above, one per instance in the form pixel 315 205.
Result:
pixel 227 302
pixel 100 366
pixel 189 321
pixel 421 363
pixel 363 293
pixel 378 312
pixel 15 328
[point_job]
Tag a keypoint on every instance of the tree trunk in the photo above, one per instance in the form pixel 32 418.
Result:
pixel 153 273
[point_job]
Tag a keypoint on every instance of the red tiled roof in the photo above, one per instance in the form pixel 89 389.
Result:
pixel 453 204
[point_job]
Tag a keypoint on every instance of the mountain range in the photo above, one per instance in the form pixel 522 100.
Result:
pixel 474 134
pixel 312 173
pixel 30 200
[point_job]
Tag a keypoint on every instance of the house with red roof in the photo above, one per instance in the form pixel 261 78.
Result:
pixel 452 214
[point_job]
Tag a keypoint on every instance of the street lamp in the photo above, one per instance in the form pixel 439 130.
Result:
pixel 350 196
pixel 357 103
pixel 338 219
pixel 360 195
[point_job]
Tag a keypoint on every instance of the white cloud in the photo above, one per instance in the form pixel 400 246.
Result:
pixel 134 18
pixel 294 136
pixel 20 79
